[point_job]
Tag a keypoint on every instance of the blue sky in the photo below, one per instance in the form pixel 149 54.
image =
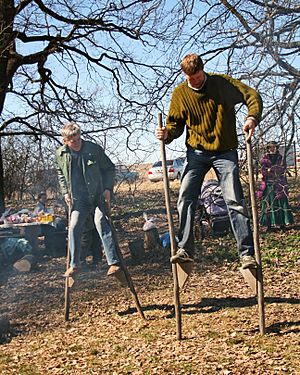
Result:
pixel 102 82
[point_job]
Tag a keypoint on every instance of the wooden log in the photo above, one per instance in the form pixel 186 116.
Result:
pixel 25 264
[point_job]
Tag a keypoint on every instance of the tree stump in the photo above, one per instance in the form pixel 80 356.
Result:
pixel 25 264
pixel 4 325
pixel 151 239
pixel 136 249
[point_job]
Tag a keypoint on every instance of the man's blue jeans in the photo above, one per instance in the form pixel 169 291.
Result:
pixel 81 209
pixel 225 164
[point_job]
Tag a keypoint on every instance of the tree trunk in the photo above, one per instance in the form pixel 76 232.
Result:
pixel 4 325
pixel 2 203
pixel 7 69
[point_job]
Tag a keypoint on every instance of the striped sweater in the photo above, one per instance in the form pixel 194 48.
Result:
pixel 209 113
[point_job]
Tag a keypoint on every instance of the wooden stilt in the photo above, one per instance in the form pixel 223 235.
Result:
pixel 172 236
pixel 124 277
pixel 259 278
pixel 69 281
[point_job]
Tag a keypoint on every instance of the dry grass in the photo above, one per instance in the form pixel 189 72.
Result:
pixel 105 334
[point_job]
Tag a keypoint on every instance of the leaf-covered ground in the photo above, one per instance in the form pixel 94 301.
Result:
pixel 105 334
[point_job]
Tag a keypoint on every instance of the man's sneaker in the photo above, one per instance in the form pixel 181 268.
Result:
pixel 181 256
pixel 113 270
pixel 248 261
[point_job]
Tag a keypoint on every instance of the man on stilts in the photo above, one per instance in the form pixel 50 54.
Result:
pixel 86 178
pixel 204 105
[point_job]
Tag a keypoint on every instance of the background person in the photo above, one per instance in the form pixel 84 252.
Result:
pixel 86 178
pixel 204 104
pixel 273 190
pixel 41 206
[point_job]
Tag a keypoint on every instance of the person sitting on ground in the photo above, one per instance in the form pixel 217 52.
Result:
pixel 273 190
pixel 86 178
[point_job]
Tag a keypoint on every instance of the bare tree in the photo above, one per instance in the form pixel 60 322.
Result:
pixel 258 42
pixel 29 167
pixel 59 59
pixel 109 65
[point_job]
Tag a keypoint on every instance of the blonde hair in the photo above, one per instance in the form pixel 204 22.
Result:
pixel 69 130
pixel 191 64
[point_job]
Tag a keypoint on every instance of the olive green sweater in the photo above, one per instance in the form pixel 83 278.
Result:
pixel 209 113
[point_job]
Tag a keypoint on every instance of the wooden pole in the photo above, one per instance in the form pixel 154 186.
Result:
pixel 67 279
pixel 125 270
pixel 260 289
pixel 172 235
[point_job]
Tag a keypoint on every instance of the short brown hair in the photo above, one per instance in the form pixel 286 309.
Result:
pixel 272 143
pixel 69 130
pixel 191 64
pixel 42 194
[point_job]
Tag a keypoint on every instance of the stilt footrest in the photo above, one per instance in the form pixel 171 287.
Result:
pixel 121 278
pixel 183 271
pixel 251 277
pixel 70 281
